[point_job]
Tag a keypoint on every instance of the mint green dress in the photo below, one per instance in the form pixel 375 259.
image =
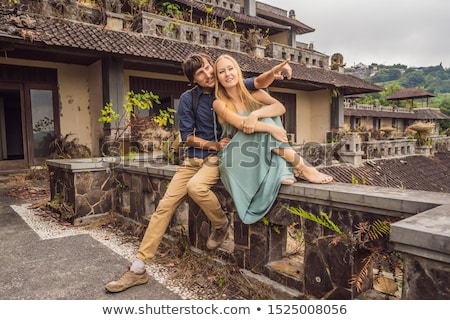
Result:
pixel 251 172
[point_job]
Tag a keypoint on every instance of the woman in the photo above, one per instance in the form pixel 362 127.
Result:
pixel 258 158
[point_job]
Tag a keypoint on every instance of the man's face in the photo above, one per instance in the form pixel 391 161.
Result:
pixel 204 76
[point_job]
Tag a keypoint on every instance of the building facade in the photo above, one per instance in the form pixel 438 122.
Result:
pixel 60 64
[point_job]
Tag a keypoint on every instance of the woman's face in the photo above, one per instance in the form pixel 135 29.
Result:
pixel 227 74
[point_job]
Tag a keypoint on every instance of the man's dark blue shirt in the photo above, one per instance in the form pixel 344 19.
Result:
pixel 204 124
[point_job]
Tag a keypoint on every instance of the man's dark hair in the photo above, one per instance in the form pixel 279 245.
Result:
pixel 193 63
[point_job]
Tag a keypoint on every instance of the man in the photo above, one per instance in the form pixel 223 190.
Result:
pixel 199 171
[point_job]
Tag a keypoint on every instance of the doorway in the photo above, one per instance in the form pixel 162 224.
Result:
pixel 289 118
pixel 28 116
pixel 12 151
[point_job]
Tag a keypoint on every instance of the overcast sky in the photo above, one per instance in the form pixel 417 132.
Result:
pixel 412 32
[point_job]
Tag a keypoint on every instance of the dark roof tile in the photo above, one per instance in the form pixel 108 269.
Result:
pixel 72 34
pixel 410 93
pixel 300 27
pixel 416 114
pixel 414 173
pixel 239 17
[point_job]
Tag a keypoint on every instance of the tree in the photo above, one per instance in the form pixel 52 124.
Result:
pixel 444 106
pixel 387 74
pixel 390 89
pixel 412 79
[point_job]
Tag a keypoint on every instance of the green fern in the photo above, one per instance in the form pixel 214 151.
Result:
pixel 379 229
pixel 360 239
pixel 323 220
pixel 266 222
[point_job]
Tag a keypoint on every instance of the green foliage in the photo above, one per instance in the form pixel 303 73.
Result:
pixel 138 6
pixel 379 229
pixel 356 181
pixel 165 117
pixel 387 74
pixel 220 281
pixel 142 101
pixel 266 222
pixel 364 237
pixel 230 19
pixel 171 9
pixel 323 219
pixel 60 206
pixel 108 114
pixel 435 79
pixel 392 88
pixel 133 102
pixel 415 78
pixel 445 108
pixel 210 20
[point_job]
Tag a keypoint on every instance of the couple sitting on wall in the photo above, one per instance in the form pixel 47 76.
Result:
pixel 233 119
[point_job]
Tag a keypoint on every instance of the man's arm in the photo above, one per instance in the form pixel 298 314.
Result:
pixel 196 142
pixel 276 73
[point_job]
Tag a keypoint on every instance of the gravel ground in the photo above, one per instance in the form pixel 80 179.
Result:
pixel 187 271
pixel 48 228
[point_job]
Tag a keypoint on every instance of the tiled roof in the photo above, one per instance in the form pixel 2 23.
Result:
pixel 45 33
pixel 410 93
pixel 300 27
pixel 413 173
pixel 239 17
pixel 417 114
pixel 423 114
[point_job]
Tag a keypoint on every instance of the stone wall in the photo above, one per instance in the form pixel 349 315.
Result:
pixel 133 190
pixel 424 239
pixel 82 192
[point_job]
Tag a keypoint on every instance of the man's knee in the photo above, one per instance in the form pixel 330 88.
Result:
pixel 195 189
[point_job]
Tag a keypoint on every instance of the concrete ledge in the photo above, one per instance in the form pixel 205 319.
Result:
pixel 426 234
pixel 386 201
pixel 83 164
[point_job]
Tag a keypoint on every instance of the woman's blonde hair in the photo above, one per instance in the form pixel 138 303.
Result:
pixel 246 97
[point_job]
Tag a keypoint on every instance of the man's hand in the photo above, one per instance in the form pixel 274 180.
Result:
pixel 281 70
pixel 224 142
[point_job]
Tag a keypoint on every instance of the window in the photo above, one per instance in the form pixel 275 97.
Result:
pixel 42 121
pixel 394 123
pixel 376 123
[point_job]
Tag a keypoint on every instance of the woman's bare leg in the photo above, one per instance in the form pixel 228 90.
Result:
pixel 301 169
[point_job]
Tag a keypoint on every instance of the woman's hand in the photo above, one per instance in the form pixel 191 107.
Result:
pixel 282 70
pixel 249 123
pixel 279 133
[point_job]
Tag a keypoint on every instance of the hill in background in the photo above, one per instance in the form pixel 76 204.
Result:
pixel 435 79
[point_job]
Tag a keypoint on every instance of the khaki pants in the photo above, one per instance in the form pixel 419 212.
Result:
pixel 194 177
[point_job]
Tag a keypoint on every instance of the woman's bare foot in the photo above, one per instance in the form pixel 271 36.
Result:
pixel 312 175
pixel 288 181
